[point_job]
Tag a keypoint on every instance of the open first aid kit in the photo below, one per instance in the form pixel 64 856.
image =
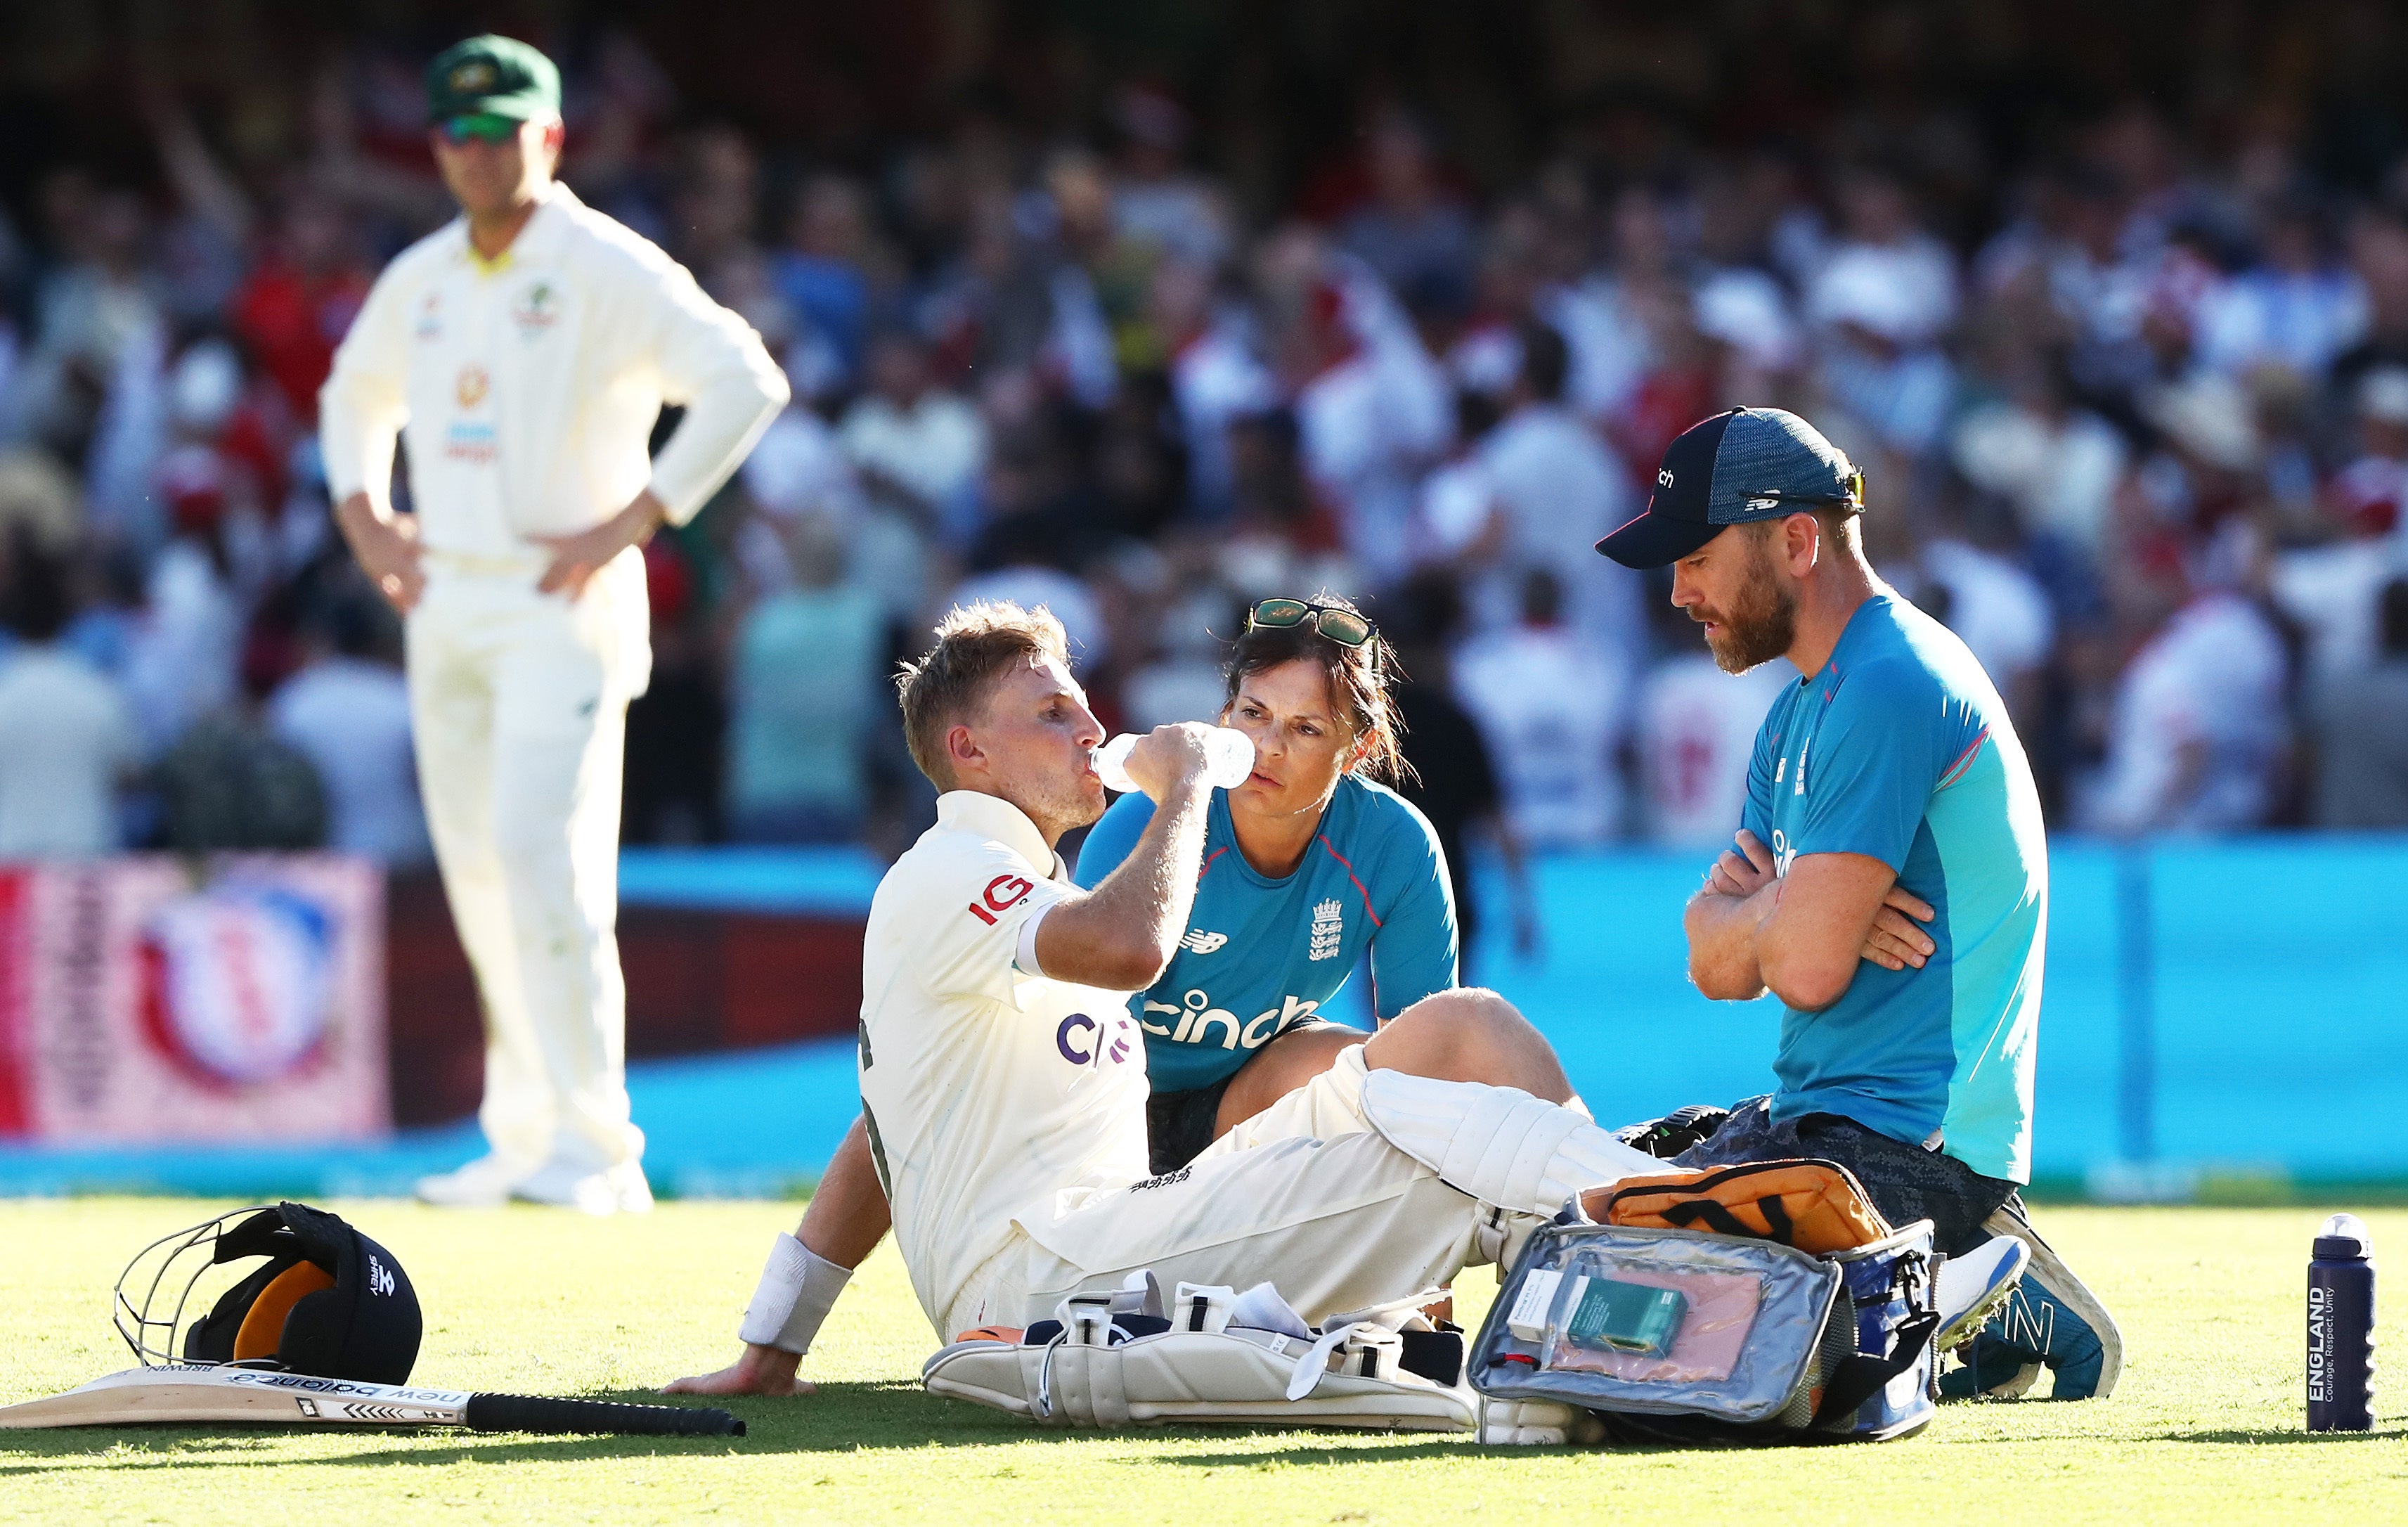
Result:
pixel 1664 1332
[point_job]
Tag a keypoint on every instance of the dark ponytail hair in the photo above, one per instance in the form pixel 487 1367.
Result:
pixel 1357 679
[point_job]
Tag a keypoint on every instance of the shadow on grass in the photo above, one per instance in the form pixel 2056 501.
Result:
pixel 840 1419
pixel 1377 1447
pixel 2261 1439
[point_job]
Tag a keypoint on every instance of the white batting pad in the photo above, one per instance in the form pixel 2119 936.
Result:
pixel 1347 1376
pixel 1498 1143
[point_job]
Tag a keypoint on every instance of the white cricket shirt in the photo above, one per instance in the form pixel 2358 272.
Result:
pixel 994 1098
pixel 525 388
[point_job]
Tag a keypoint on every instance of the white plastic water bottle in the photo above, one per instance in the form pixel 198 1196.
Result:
pixel 1229 759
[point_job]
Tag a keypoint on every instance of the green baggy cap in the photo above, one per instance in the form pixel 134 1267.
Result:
pixel 492 76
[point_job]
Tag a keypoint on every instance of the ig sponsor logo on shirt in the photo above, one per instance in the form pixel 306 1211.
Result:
pixel 1003 893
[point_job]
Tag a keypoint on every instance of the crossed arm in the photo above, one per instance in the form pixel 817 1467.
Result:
pixel 1800 935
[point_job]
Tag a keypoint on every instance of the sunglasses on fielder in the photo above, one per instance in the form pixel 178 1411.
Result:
pixel 1347 627
pixel 482 127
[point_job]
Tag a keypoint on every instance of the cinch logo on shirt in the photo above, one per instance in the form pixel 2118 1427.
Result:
pixel 1199 1018
pixel 1329 926
pixel 1201 941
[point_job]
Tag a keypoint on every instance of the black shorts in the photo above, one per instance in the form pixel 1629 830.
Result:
pixel 1179 1125
pixel 1905 1181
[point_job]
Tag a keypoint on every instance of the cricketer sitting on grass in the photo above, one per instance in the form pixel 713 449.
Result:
pixel 521 354
pixel 1003 1079
pixel 1889 883
pixel 1308 865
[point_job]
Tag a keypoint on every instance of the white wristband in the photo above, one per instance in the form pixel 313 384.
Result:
pixel 797 1290
pixel 1024 955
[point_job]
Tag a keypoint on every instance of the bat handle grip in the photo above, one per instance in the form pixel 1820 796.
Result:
pixel 530 1412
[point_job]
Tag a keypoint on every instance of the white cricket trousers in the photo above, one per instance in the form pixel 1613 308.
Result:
pixel 519 705
pixel 1303 1196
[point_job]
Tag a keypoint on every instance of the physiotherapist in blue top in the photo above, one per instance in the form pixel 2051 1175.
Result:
pixel 1308 864
pixel 1889 881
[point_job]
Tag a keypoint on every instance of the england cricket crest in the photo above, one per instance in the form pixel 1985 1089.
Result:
pixel 1329 929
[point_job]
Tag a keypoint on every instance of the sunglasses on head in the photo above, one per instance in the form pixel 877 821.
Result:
pixel 1347 627
pixel 482 127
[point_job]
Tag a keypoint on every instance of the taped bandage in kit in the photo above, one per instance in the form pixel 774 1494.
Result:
pixel 797 1290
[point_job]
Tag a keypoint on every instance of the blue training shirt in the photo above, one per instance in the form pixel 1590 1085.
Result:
pixel 1260 954
pixel 1900 749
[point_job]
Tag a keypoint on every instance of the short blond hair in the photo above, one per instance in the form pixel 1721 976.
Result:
pixel 976 643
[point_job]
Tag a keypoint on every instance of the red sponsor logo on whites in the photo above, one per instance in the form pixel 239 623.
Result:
pixel 1003 893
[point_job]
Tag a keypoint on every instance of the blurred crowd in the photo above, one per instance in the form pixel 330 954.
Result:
pixel 2137 429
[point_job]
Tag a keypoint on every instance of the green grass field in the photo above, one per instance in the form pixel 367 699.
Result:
pixel 2207 1425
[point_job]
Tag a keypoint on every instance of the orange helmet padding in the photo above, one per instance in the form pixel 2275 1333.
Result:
pixel 262 1324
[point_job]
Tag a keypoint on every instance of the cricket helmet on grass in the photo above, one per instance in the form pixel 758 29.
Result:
pixel 327 1301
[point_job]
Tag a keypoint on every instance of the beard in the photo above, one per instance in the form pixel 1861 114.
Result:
pixel 1761 622
pixel 1058 805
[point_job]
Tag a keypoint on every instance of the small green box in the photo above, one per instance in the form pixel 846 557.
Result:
pixel 1625 1317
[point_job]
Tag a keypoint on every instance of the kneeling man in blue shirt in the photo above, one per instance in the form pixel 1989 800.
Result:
pixel 1889 881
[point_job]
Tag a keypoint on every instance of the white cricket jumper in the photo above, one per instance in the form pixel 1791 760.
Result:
pixel 523 390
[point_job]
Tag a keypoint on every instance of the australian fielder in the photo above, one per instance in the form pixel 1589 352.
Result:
pixel 521 354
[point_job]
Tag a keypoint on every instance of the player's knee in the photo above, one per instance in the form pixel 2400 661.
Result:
pixel 1464 1035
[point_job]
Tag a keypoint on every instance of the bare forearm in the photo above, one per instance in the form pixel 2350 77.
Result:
pixel 848 1215
pixel 1811 940
pixel 1722 942
pixel 1796 966
pixel 354 516
pixel 1123 934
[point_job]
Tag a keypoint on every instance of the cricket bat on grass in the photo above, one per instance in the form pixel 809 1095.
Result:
pixel 156 1396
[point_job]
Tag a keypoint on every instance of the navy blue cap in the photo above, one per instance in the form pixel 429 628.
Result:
pixel 1746 465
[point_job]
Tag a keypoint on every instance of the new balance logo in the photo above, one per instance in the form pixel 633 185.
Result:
pixel 1201 941
pixel 2026 1324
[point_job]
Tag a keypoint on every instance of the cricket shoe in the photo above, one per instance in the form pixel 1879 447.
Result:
pixel 1975 1286
pixel 621 1190
pixel 485 1183
pixel 2050 1319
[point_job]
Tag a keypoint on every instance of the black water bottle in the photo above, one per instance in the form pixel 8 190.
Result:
pixel 2341 1328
